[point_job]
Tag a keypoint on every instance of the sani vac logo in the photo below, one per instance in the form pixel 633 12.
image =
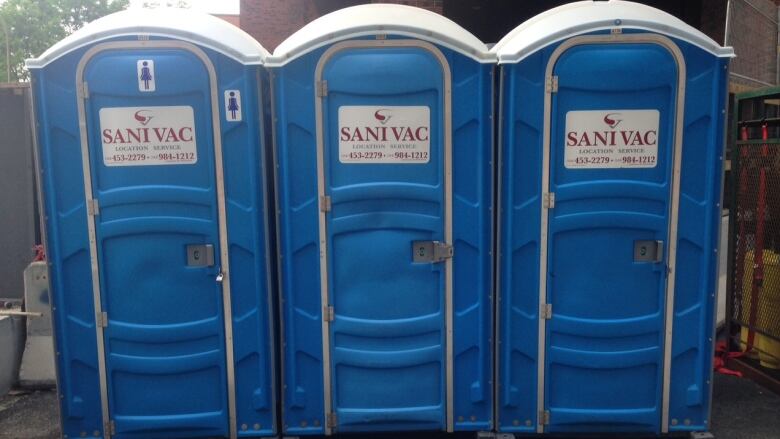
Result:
pixel 611 139
pixel 135 136
pixel 370 134
pixel 383 116
pixel 143 116
pixel 610 120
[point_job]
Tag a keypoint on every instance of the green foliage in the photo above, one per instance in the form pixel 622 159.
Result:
pixel 35 25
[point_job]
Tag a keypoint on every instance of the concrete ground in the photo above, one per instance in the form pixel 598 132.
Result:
pixel 741 410
pixel 29 415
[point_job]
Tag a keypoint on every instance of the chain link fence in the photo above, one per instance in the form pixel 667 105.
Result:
pixel 755 242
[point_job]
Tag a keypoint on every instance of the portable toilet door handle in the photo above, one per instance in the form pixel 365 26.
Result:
pixel 648 251
pixel 220 276
pixel 431 251
pixel 200 255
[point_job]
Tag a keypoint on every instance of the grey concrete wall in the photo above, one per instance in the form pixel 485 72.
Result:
pixel 11 344
pixel 17 190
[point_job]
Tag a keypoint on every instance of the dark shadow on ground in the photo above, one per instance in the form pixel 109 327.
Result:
pixel 741 410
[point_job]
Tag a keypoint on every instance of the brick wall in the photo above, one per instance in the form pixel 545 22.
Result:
pixel 230 18
pixel 753 27
pixel 713 19
pixel 272 21
pixel 432 5
pixel 753 34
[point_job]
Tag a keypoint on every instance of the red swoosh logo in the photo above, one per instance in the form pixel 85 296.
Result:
pixel 611 122
pixel 142 118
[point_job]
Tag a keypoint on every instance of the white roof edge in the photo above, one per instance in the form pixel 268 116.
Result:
pixel 580 17
pixel 373 19
pixel 195 27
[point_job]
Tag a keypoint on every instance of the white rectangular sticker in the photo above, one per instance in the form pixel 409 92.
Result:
pixel 233 105
pixel 135 136
pixel 373 134
pixel 611 139
pixel 145 74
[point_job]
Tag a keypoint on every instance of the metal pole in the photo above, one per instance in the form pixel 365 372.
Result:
pixel 748 78
pixel 11 312
pixel 728 24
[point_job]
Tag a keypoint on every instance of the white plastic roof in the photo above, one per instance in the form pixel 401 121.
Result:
pixel 587 16
pixel 194 27
pixel 372 19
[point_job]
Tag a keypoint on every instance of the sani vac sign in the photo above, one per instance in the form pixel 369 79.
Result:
pixel 369 134
pixel 611 139
pixel 135 136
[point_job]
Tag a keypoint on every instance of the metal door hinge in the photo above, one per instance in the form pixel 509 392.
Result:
pixel 82 91
pixel 102 319
pixel 544 417
pixel 322 89
pixel 546 311
pixel 325 203
pixel 328 314
pixel 93 207
pixel 111 427
pixel 332 420
pixel 551 84
pixel 548 200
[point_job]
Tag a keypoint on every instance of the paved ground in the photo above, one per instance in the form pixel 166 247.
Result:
pixel 29 415
pixel 741 410
pixel 744 410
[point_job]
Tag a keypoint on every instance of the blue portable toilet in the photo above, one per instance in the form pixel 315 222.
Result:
pixel 611 158
pixel 384 179
pixel 151 145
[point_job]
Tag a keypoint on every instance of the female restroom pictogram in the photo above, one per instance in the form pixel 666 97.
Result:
pixel 146 76
pixel 233 105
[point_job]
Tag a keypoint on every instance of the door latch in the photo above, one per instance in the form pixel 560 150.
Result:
pixel 200 255
pixel 431 251
pixel 220 277
pixel 648 251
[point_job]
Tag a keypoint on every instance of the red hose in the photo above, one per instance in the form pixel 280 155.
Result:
pixel 40 253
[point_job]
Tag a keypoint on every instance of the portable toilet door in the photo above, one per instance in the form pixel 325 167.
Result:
pixel 611 151
pixel 151 158
pixel 383 143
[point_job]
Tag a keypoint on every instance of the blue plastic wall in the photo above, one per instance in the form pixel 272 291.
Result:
pixel 302 407
pixel 520 182
pixel 68 246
